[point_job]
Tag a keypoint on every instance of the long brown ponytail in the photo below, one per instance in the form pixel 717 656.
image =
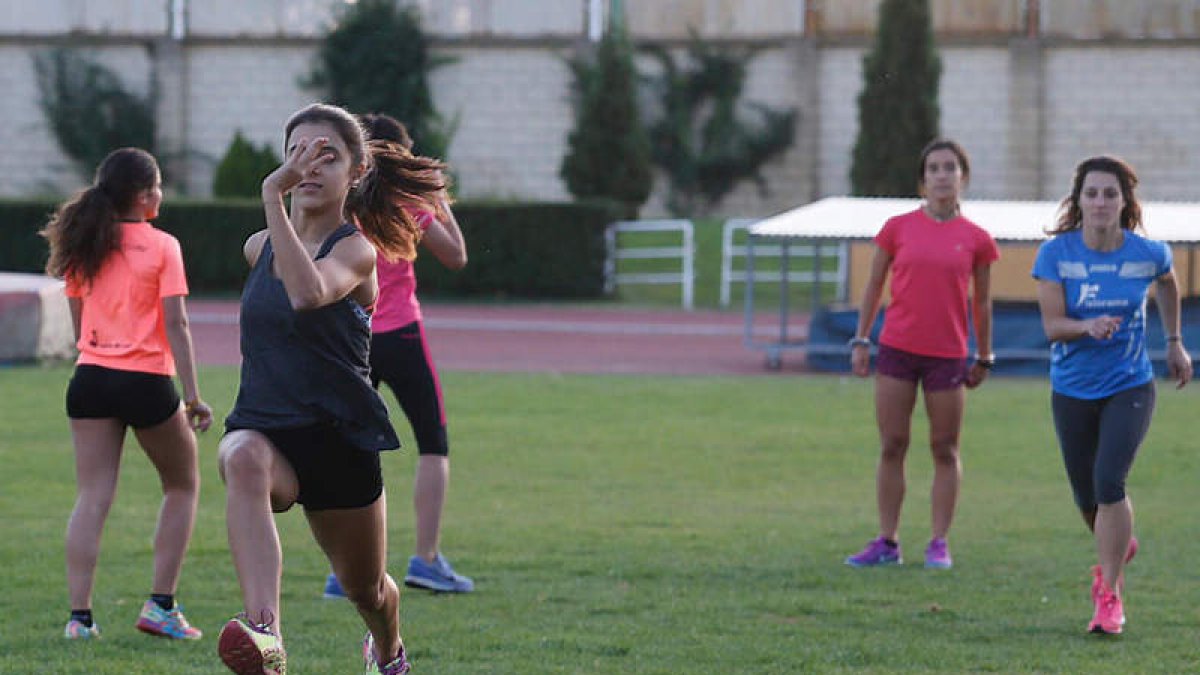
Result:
pixel 83 232
pixel 396 179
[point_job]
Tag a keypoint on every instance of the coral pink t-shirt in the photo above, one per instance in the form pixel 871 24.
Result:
pixel 932 265
pixel 122 326
pixel 397 305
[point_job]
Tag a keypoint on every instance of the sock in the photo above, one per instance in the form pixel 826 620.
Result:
pixel 891 542
pixel 164 600
pixel 83 616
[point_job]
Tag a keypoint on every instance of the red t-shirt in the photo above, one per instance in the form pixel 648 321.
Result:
pixel 397 305
pixel 121 326
pixel 932 265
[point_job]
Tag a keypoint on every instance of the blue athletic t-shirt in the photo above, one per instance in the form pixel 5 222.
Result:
pixel 1096 283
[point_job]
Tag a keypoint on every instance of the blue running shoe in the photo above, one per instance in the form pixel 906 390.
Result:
pixel 437 576
pixel 333 590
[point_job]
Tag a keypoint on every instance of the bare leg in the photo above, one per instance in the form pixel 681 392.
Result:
pixel 945 409
pixel 1114 527
pixel 171 447
pixel 97 466
pixel 894 402
pixel 258 481
pixel 429 496
pixel 355 541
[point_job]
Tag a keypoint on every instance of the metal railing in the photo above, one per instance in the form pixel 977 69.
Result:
pixel 685 253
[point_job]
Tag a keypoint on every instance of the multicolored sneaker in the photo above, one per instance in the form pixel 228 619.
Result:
pixel 937 555
pixel 168 623
pixel 1109 617
pixel 397 666
pixel 877 552
pixel 333 589
pixel 75 630
pixel 249 648
pixel 436 576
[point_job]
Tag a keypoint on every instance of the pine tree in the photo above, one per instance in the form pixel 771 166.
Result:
pixel 608 152
pixel 898 106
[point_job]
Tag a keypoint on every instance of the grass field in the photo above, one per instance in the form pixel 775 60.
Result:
pixel 649 525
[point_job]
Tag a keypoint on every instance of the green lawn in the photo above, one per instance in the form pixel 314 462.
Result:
pixel 648 525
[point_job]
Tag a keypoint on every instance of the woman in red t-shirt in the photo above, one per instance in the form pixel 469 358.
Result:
pixel 126 288
pixel 934 256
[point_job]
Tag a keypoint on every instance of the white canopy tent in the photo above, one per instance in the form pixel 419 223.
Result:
pixel 861 218
pixel 847 219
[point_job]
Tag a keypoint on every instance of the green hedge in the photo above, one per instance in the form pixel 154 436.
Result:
pixel 514 249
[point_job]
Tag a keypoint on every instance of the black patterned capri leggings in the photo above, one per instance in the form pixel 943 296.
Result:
pixel 1099 439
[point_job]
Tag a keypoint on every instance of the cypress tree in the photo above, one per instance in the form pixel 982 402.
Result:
pixel 377 59
pixel 898 106
pixel 608 152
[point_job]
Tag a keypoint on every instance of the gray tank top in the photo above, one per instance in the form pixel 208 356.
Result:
pixel 310 367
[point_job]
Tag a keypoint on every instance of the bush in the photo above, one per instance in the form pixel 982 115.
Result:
pixel 523 250
pixel 243 168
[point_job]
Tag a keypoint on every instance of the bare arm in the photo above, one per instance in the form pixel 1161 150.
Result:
pixel 981 311
pixel 76 306
pixel 179 335
pixel 1166 296
pixel 310 284
pixel 445 240
pixel 1061 328
pixel 860 355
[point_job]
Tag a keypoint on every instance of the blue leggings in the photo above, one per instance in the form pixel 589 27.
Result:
pixel 1099 439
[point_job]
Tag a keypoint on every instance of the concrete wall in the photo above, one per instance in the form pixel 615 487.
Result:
pixel 1026 109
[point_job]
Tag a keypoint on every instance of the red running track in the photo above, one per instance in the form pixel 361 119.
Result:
pixel 552 338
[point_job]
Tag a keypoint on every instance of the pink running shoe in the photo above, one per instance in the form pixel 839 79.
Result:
pixel 249 648
pixel 1098 586
pixel 937 555
pixel 877 552
pixel 1109 616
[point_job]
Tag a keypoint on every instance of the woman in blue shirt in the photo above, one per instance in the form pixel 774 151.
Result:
pixel 1093 280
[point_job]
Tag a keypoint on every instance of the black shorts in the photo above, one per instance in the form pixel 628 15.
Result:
pixel 400 358
pixel 137 399
pixel 333 474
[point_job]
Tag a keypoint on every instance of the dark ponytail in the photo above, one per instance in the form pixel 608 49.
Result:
pixel 84 231
pixel 396 179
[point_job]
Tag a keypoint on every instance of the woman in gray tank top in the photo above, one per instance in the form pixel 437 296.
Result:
pixel 307 426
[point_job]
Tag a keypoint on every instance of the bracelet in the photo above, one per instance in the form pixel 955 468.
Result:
pixel 985 362
pixel 859 342
pixel 1174 338
pixel 190 406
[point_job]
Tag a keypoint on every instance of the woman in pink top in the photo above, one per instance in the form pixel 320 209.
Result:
pixel 400 358
pixel 125 284
pixel 934 255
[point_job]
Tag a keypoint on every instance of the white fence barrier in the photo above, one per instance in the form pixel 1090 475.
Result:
pixel 729 252
pixel 685 253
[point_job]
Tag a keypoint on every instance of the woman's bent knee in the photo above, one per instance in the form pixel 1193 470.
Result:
pixel 244 455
